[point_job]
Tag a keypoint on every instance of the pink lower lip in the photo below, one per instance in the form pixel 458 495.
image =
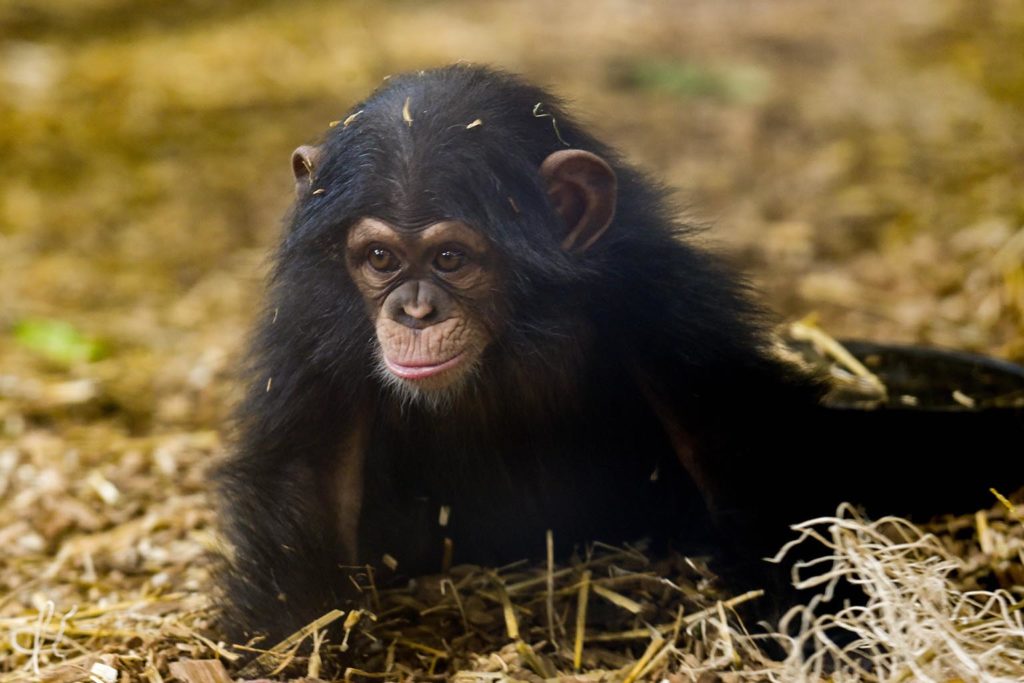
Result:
pixel 420 371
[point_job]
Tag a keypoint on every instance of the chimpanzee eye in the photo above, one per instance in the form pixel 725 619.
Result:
pixel 382 260
pixel 450 259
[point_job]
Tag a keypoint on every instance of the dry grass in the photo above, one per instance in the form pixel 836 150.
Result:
pixel 614 614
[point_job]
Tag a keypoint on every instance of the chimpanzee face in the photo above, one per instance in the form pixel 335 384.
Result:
pixel 432 295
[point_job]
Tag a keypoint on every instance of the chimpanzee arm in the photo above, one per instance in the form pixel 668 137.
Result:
pixel 291 523
pixel 293 530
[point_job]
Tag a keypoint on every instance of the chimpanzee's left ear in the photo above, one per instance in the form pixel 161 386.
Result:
pixel 304 162
pixel 582 188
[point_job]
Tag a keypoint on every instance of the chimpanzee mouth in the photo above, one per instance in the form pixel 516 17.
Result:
pixel 420 370
pixel 434 386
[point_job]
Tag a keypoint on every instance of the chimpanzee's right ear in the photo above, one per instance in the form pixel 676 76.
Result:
pixel 304 162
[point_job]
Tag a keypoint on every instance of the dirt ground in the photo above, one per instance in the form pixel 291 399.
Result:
pixel 863 161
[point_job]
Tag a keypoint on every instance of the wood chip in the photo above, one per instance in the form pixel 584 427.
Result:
pixel 963 399
pixel 102 673
pixel 200 671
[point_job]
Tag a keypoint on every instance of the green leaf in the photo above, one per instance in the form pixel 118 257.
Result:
pixel 58 341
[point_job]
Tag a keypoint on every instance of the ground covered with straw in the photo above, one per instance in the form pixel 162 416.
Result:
pixel 862 160
pixel 132 601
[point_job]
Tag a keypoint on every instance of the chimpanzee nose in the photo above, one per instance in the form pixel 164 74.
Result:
pixel 420 310
pixel 416 305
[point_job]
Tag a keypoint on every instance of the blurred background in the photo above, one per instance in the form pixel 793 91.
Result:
pixel 863 161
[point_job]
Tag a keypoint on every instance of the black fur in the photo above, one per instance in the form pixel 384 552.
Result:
pixel 557 429
pixel 554 432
